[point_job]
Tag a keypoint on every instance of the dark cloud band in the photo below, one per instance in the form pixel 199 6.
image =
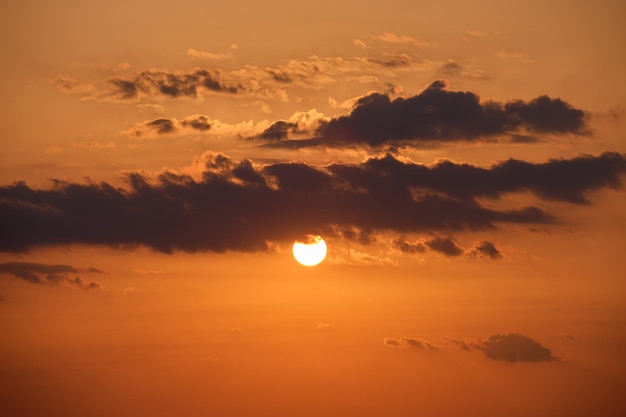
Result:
pixel 237 206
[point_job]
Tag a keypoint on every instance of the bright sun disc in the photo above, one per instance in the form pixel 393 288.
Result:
pixel 311 251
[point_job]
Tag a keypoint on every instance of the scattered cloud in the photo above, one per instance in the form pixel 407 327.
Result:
pixel 237 205
pixel 195 54
pixel 37 273
pixel 447 246
pixel 513 347
pixel 94 145
pixel 484 249
pixel 409 343
pixel 392 38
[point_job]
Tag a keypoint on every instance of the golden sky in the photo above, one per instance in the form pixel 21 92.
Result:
pixel 464 162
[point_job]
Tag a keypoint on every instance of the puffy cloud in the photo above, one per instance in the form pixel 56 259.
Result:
pixel 236 205
pixel 37 273
pixel 408 343
pixel 439 115
pixel 514 347
pixel 484 249
pixel 444 245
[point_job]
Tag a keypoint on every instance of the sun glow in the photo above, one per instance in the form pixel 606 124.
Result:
pixel 311 251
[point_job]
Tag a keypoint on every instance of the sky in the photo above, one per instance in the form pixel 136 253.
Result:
pixel 465 163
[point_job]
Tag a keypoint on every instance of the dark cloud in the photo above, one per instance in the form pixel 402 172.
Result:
pixel 513 347
pixel 448 247
pixel 409 247
pixel 199 122
pixel 438 115
pixel 279 130
pixel 161 126
pixel 242 207
pixel 444 245
pixel 484 249
pixel 171 84
pixel 450 69
pixel 37 273
pixel 408 343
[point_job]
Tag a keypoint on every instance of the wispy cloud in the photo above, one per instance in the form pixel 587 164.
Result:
pixel 37 273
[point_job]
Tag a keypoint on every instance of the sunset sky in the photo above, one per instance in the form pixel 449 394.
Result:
pixel 465 163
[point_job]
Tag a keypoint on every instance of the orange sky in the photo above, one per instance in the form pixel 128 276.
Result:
pixel 464 162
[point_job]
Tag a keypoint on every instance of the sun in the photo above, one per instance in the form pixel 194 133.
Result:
pixel 311 251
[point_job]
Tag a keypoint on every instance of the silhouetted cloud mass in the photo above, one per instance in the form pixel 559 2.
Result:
pixel 37 273
pixel 236 205
pixel 439 115
pixel 514 347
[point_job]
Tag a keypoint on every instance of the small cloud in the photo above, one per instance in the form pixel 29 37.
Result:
pixel 458 342
pixel 444 245
pixel 194 53
pixel 484 249
pixel 123 65
pixel 326 327
pixel 236 330
pixel 409 247
pixel 393 38
pixel 95 145
pixel 37 273
pixel 513 347
pixel 408 343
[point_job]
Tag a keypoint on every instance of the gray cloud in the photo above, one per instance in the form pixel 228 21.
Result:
pixel 236 205
pixel 514 347
pixel 409 343
pixel 37 273
pixel 438 115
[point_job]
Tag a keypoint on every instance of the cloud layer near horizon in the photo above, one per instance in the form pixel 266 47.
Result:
pixel 239 206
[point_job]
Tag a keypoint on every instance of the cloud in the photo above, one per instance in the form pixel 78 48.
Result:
pixel 448 247
pixel 439 115
pixel 237 205
pixel 37 273
pixel 409 343
pixel 513 347
pixel 484 249
pixel 194 53
pixel 392 38
pixel 326 327
pixel 166 83
pixel 444 245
